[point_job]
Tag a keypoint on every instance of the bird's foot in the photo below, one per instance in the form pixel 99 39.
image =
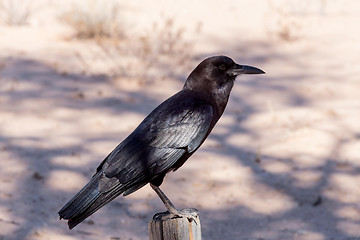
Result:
pixel 190 213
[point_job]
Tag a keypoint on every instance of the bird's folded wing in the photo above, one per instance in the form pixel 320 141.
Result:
pixel 185 129
pixel 157 144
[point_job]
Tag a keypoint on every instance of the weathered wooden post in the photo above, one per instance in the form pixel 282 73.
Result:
pixel 163 228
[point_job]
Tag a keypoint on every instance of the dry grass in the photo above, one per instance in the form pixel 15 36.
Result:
pixel 160 51
pixel 156 50
pixel 287 19
pixel 94 19
pixel 15 12
pixel 162 47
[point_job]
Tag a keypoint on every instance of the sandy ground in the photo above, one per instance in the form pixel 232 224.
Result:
pixel 282 163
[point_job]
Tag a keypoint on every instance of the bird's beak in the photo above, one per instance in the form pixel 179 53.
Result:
pixel 244 69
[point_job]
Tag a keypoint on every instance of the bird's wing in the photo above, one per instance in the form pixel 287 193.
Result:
pixel 182 129
pixel 157 144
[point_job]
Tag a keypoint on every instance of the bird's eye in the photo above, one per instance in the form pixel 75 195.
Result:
pixel 222 67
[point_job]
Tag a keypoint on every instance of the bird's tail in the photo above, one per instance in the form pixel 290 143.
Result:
pixel 87 201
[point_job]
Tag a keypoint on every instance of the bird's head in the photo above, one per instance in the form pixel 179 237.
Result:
pixel 217 74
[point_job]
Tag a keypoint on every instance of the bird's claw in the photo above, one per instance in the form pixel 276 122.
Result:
pixel 190 213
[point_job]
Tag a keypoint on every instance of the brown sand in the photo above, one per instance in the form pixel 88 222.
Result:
pixel 283 162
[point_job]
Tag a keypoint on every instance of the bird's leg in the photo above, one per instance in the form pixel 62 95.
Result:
pixel 168 204
pixel 190 214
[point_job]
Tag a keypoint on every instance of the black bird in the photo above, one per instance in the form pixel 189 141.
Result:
pixel 163 141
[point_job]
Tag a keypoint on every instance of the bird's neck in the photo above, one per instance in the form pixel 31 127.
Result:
pixel 221 96
pixel 216 96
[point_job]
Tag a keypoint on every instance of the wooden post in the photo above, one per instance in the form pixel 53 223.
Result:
pixel 163 228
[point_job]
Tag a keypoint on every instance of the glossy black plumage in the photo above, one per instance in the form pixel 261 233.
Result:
pixel 163 141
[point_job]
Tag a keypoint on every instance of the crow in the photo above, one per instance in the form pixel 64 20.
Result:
pixel 162 142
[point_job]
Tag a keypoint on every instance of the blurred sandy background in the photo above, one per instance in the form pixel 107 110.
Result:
pixel 282 163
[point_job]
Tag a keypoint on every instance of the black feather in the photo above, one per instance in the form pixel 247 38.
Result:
pixel 163 141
